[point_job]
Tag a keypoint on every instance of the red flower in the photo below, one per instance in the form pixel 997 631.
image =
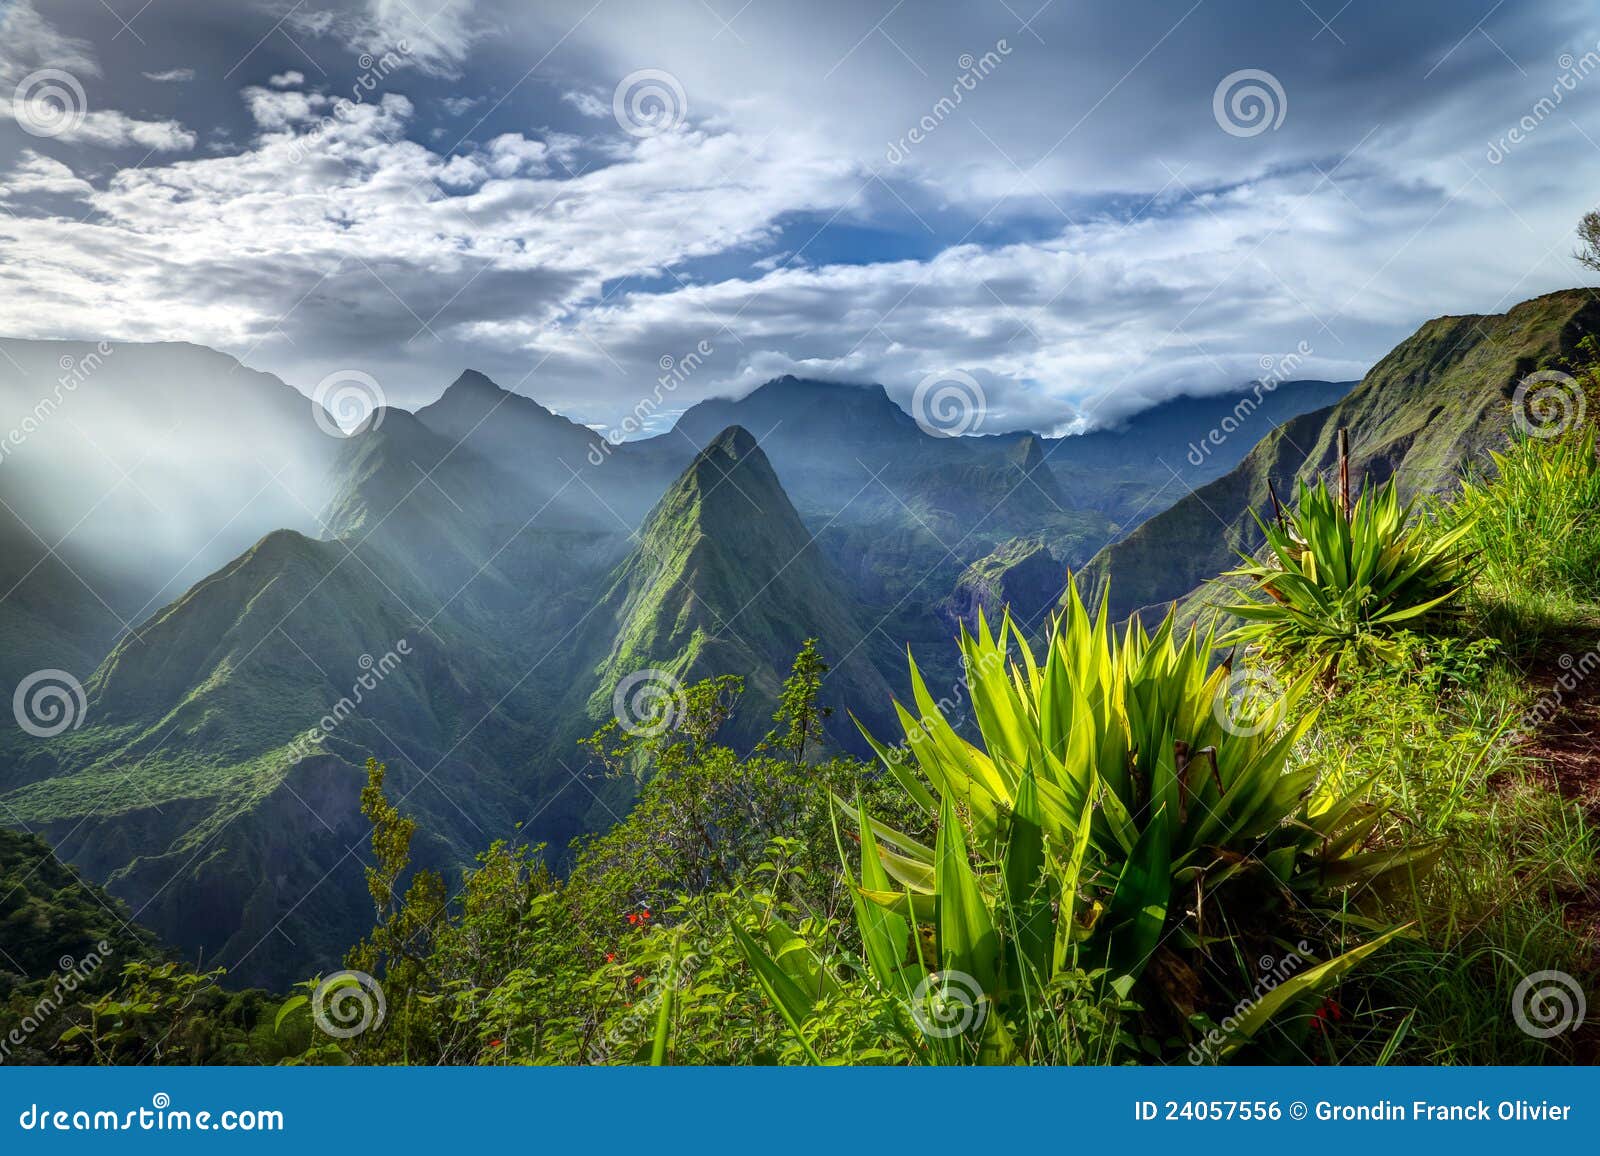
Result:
pixel 646 915
pixel 496 1043
pixel 1328 1009
pixel 611 957
pixel 632 919
pixel 637 980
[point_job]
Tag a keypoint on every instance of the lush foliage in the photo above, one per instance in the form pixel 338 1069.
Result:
pixel 1341 579
pixel 1532 523
pixel 1122 811
pixel 1094 867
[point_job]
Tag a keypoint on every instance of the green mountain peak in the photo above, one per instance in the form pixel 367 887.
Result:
pixel 725 578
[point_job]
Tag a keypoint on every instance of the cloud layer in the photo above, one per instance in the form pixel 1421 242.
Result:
pixel 1053 203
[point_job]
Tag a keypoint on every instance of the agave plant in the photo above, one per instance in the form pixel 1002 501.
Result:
pixel 1117 793
pixel 1341 577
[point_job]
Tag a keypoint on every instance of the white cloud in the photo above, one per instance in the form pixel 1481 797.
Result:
pixel 364 244
pixel 171 76
pixel 511 154
pixel 1085 236
pixel 289 79
pixel 31 42
pixel 587 103
pixel 1102 319
pixel 38 174
pixel 433 36
pixel 47 68
pixel 107 127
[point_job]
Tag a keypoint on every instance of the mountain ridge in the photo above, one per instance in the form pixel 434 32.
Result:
pixel 1441 396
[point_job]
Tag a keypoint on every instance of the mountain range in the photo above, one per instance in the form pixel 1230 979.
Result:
pixel 253 608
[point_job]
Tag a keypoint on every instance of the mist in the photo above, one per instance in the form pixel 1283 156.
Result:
pixel 152 465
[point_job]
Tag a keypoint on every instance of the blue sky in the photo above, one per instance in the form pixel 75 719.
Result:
pixel 1093 226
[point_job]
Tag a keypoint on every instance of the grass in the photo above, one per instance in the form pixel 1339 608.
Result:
pixel 1536 537
pixel 1445 756
pixel 1441 734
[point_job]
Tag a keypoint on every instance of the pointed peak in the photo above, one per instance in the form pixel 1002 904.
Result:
pixel 473 396
pixel 733 453
pixel 471 381
pixel 729 481
pixel 735 440
pixel 280 545
pixel 1027 452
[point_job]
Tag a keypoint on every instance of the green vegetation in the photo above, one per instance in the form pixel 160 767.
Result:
pixel 1119 809
pixel 1531 519
pixel 1439 401
pixel 1436 734
pixel 526 591
pixel 1340 578
pixel 1350 839
pixel 1141 855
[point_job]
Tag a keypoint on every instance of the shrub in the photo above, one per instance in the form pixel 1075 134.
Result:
pixel 1344 580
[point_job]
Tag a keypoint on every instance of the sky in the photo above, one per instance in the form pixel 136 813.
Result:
pixel 1073 211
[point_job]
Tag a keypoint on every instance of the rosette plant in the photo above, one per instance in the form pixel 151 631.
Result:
pixel 1120 789
pixel 1341 578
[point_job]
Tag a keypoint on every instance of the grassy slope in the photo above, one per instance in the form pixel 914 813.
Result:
pixel 182 789
pixel 726 579
pixel 1439 397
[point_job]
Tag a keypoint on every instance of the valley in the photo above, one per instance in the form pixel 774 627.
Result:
pixel 524 575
